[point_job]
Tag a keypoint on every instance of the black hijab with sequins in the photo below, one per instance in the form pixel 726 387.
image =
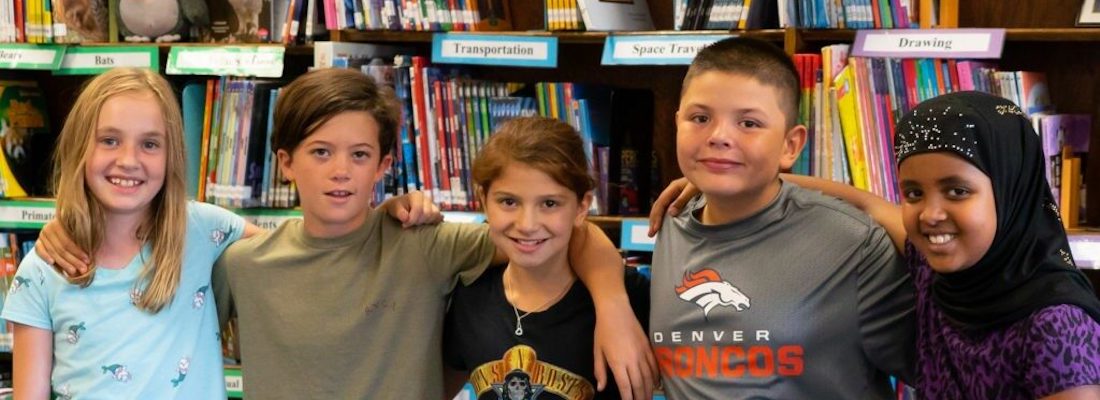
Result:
pixel 1028 266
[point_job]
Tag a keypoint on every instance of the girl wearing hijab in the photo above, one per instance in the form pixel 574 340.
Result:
pixel 1003 312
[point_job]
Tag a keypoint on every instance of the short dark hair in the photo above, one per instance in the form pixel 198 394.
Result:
pixel 760 60
pixel 315 97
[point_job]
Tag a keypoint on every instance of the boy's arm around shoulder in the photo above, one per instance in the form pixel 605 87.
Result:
pixel 884 212
pixel 1090 392
pixel 621 344
pixel 887 306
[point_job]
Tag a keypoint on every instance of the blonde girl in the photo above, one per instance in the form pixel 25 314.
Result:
pixel 140 323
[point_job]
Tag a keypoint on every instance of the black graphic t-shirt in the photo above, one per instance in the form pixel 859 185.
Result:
pixel 553 357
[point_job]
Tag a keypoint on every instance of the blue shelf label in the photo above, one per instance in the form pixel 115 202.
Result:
pixel 500 50
pixel 634 235
pixel 655 49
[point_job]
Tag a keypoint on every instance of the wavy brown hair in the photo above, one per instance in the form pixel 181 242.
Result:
pixel 545 144
pixel 82 215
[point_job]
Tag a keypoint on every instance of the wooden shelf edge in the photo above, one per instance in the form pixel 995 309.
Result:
pixel 1053 34
pixel 563 37
pixel 293 49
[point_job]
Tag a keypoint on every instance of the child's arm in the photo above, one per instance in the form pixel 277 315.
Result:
pixel 887 214
pixel 1090 392
pixel 671 201
pixel 621 344
pixel 884 212
pixel 251 230
pixel 412 209
pixel 33 362
pixel 57 249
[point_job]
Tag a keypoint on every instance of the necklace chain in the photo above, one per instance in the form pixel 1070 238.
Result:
pixel 519 318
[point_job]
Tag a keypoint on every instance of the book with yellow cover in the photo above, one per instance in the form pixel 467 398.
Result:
pixel 849 111
pixel 25 140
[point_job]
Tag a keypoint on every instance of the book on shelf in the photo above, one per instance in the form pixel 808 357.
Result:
pixel 692 15
pixel 328 54
pixel 227 124
pixel 855 104
pixel 25 158
pixel 447 117
pixel 617 15
pixel 78 21
pixel 248 21
pixel 13 245
pixel 1065 141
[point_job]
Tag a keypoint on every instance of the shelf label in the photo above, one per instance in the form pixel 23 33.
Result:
pixel 90 60
pixel 267 218
pixel 930 43
pixel 25 214
pixel 1085 248
pixel 635 235
pixel 234 384
pixel 465 217
pixel 30 56
pixel 507 50
pixel 655 49
pixel 260 61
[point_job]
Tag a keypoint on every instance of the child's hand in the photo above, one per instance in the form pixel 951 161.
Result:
pixel 415 208
pixel 56 248
pixel 671 201
pixel 622 345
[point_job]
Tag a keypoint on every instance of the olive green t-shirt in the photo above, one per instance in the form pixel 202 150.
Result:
pixel 352 317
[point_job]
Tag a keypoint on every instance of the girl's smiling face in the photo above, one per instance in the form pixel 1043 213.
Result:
pixel 948 209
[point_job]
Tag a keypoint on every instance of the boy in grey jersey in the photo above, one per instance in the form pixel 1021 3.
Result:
pixel 766 290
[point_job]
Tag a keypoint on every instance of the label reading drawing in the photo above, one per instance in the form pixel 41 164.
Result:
pixel 930 43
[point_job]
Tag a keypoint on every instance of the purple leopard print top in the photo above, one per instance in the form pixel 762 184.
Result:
pixel 1055 349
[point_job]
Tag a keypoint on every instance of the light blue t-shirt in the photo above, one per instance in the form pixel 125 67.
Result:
pixel 106 347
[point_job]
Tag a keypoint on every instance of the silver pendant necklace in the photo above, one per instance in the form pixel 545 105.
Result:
pixel 519 318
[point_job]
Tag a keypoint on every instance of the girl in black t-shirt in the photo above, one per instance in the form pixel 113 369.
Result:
pixel 526 330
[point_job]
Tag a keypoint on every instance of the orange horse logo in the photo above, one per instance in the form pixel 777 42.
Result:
pixel 707 289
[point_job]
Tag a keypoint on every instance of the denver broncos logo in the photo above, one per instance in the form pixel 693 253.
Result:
pixel 707 289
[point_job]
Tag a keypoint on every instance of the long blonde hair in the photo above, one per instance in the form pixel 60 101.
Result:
pixel 82 215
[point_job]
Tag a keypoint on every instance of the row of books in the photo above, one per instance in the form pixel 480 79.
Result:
pixel 814 14
pixel 227 126
pixel 850 14
pixel 13 245
pixel 417 15
pixel 448 117
pixel 1065 140
pixel 851 106
pixel 691 15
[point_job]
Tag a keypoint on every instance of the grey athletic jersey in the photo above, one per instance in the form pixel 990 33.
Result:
pixel 807 299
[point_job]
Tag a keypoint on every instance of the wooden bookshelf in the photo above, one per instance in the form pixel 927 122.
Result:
pixel 1042 36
